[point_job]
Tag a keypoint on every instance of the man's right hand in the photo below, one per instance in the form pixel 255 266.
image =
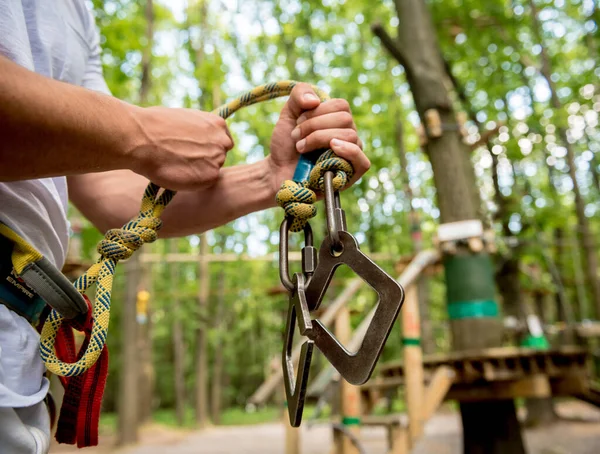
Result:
pixel 179 149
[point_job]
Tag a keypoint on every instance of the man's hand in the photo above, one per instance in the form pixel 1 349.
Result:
pixel 51 128
pixel 306 124
pixel 180 148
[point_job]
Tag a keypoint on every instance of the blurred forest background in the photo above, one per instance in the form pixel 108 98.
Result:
pixel 525 77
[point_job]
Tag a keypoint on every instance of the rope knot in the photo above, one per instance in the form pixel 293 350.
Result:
pixel 329 161
pixel 120 244
pixel 297 200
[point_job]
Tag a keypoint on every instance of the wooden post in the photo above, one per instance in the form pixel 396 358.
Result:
pixel 434 395
pixel 128 383
pixel 292 436
pixel 349 394
pixel 413 361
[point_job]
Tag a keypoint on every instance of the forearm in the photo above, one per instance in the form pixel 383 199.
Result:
pixel 110 199
pixel 50 128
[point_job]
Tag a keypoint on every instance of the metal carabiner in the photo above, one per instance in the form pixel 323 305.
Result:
pixel 295 389
pixel 309 254
pixel 336 219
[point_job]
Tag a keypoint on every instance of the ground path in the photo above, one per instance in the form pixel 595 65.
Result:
pixel 442 436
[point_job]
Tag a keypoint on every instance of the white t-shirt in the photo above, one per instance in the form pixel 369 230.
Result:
pixel 58 39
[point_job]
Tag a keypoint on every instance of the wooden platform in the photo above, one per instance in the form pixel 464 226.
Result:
pixel 498 373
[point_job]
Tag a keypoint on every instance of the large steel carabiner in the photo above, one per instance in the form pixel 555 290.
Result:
pixel 295 388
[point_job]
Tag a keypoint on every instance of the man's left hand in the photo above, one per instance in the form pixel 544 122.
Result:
pixel 305 125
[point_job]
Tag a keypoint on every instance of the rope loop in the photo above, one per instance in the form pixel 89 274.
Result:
pixel 118 244
pixel 329 161
pixel 297 198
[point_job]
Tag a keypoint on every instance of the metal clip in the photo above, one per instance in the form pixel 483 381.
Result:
pixel 309 254
pixel 336 219
pixel 295 389
pixel 357 367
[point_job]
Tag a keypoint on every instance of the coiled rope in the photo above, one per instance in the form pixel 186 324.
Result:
pixel 296 198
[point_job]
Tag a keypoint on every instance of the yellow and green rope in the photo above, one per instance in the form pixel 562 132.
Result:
pixel 296 198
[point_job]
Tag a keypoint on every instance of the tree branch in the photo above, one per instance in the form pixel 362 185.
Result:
pixel 389 43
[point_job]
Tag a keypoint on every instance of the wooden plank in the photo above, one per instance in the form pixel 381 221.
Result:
pixel 435 393
pixel 533 386
pixel 572 384
pixel 501 353
pixel 294 256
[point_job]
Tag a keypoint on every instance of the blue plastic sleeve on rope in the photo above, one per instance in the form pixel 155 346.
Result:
pixel 472 309
pixel 303 169
pixel 305 165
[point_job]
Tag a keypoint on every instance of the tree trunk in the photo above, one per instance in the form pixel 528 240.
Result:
pixel 469 276
pixel 586 236
pixel 146 81
pixel 178 340
pixel 217 378
pixel 128 386
pixel 144 331
pixel 201 350
pixel 427 338
pixel 144 344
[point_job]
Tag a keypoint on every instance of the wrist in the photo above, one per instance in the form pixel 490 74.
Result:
pixel 136 146
pixel 268 180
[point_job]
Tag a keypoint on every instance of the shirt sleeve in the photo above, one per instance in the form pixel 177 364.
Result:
pixel 93 77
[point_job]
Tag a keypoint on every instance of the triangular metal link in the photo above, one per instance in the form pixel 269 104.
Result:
pixel 356 368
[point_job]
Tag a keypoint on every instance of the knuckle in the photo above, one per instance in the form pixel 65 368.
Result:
pixel 306 128
pixel 341 104
pixel 346 119
pixel 351 135
pixel 219 121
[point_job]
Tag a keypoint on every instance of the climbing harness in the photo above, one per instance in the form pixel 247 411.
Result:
pixel 84 372
pixel 307 290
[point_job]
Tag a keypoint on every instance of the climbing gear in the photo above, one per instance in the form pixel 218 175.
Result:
pixel 307 290
pixel 84 373
pixel 23 269
pixel 295 389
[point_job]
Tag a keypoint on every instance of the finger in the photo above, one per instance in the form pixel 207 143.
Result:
pixel 351 152
pixel 332 105
pixel 302 98
pixel 335 120
pixel 320 139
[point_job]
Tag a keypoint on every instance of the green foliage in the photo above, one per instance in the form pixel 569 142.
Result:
pixel 207 50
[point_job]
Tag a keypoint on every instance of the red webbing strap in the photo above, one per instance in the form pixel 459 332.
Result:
pixel 80 411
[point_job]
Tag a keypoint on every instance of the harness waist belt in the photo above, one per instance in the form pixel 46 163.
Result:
pixel 29 281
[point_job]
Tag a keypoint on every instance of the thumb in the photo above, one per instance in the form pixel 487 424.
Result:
pixel 302 98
